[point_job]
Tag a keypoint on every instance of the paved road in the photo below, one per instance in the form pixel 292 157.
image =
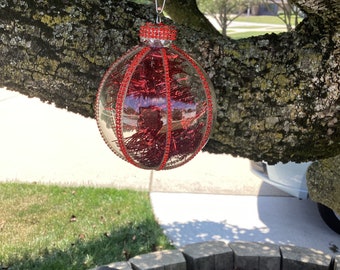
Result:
pixel 211 197
pixel 40 143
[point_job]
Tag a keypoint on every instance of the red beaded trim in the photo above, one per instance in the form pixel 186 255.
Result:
pixel 169 110
pixel 108 106
pixel 158 31
pixel 210 105
pixel 120 100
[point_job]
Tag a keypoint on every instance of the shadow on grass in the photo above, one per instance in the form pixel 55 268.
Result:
pixel 117 245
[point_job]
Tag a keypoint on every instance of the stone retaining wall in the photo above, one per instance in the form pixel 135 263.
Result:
pixel 217 255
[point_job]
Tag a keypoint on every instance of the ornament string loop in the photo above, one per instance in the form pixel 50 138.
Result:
pixel 159 11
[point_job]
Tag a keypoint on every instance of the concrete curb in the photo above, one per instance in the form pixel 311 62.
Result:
pixel 218 255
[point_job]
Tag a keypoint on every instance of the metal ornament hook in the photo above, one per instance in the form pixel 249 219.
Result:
pixel 159 11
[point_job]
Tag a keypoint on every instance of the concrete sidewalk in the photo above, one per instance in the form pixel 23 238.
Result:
pixel 190 218
pixel 211 197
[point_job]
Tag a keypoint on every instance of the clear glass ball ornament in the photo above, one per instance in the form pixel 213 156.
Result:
pixel 155 105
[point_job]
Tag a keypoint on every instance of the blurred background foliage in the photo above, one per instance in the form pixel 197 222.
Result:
pixel 224 12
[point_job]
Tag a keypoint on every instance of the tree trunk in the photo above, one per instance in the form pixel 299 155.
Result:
pixel 323 180
pixel 255 9
pixel 278 95
pixel 179 12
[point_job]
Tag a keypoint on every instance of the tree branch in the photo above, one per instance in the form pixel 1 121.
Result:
pixel 186 12
pixel 278 95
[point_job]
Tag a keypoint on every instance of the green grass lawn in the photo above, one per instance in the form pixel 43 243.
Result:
pixel 256 30
pixel 263 19
pixel 248 34
pixel 51 227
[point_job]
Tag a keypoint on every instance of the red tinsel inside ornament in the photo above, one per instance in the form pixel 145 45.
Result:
pixel 155 105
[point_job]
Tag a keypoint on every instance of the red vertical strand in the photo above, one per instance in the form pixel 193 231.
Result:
pixel 124 86
pixel 207 93
pixel 169 109
pixel 102 86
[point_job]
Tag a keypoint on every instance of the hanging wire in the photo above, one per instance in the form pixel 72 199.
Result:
pixel 159 11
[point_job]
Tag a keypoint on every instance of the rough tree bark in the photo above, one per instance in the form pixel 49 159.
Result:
pixel 278 95
pixel 324 182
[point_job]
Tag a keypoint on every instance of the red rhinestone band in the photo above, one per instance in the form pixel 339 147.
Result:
pixel 158 31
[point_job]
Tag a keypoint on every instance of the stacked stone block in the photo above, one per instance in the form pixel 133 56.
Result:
pixel 217 255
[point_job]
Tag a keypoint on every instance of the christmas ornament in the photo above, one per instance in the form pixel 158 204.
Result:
pixel 155 105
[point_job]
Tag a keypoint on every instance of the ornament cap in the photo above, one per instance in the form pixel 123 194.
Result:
pixel 158 31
